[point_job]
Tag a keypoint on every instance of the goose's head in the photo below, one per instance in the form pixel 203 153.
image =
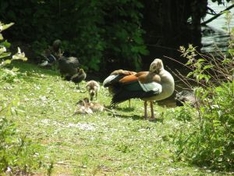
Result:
pixel 156 66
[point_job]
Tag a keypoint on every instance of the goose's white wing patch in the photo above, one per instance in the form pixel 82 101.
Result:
pixel 109 79
pixel 156 87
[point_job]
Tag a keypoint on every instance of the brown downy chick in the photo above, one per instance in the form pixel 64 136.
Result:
pixel 82 107
pixel 85 106
pixel 94 106
pixel 93 88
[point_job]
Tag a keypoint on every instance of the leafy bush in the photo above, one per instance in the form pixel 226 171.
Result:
pixel 207 139
pixel 96 31
pixel 5 56
pixel 19 155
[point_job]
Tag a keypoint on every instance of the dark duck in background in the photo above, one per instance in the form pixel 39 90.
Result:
pixel 153 85
pixel 52 53
pixel 186 96
pixel 68 66
pixel 79 76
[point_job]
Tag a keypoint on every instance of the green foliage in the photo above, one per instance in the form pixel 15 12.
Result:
pixel 207 139
pixel 19 155
pixel 185 113
pixel 5 56
pixel 96 31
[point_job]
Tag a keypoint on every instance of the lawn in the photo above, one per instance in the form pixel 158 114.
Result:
pixel 113 142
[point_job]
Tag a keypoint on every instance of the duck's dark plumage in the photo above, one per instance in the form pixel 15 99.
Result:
pixel 112 82
pixel 68 66
pixel 186 96
pixel 128 91
pixel 79 76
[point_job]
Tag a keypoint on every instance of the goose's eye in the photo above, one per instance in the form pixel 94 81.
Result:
pixel 155 67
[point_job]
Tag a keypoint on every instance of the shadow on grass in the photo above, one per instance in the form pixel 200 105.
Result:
pixel 125 114
pixel 128 112
pixel 139 117
pixel 125 109
pixel 33 68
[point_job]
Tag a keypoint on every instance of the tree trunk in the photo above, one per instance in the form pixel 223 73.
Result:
pixel 198 10
pixel 167 27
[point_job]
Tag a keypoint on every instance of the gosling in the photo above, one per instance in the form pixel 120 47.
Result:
pixel 93 88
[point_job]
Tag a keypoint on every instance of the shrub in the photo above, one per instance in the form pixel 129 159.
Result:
pixel 19 155
pixel 96 31
pixel 5 56
pixel 207 139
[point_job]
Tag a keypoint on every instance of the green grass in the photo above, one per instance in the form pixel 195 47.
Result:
pixel 116 142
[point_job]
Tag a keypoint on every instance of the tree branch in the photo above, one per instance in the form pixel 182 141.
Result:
pixel 216 16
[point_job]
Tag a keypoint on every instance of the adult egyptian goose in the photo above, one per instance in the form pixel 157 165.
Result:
pixel 52 53
pixel 153 85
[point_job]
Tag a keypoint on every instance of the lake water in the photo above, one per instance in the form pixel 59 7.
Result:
pixel 214 34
